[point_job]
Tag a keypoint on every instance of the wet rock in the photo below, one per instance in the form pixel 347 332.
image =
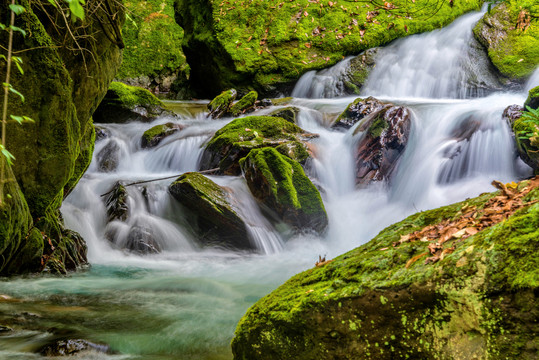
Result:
pixel 383 140
pixel 357 111
pixel 359 69
pixel 280 184
pixel 108 158
pixel 218 222
pixel 289 113
pixel 152 137
pixel 142 241
pixel 237 138
pixel 466 128
pixel 281 101
pixel 219 106
pixel 72 347
pixel 124 103
pixel 512 113
pixel 5 329
pixel 101 133
pixel 116 203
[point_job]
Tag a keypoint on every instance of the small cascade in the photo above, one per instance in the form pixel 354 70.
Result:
pixel 533 81
pixel 261 232
pixel 321 84
pixel 444 63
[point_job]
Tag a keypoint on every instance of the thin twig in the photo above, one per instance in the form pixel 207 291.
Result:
pixel 158 179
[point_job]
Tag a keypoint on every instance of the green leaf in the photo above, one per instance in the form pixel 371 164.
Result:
pixel 20 68
pixel 17 9
pixel 18 29
pixel 18 119
pixel 75 6
pixel 13 90
pixel 2 27
pixel 9 156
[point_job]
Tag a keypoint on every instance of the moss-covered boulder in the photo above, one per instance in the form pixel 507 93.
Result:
pixel 218 223
pixel 281 185
pixel 219 106
pixel 289 113
pixel 125 103
pixel 359 69
pixel 153 136
pixel 237 138
pixel 392 298
pixel 153 57
pixel 382 136
pixel 244 104
pixel 356 111
pixel 510 33
pixel 533 99
pixel 62 88
pixel 264 44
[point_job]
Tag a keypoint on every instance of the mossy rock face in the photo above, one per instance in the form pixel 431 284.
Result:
pixel 219 106
pixel 356 111
pixel 152 137
pixel 289 113
pixel 61 94
pixel 382 137
pixel 218 223
pixel 153 58
pixel 533 99
pixel 280 184
pixel 268 44
pixel 510 32
pixel 382 301
pixel 237 138
pixel 526 130
pixel 125 103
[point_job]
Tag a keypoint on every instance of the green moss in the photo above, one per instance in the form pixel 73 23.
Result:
pixel 376 128
pixel 533 99
pixel 276 42
pixel 131 96
pixel 455 305
pixel 295 150
pixel 281 184
pixel 152 41
pixel 244 103
pixel 221 103
pixel 288 113
pixel 514 52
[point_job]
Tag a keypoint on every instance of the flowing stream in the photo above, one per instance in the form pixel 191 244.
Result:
pixel 186 301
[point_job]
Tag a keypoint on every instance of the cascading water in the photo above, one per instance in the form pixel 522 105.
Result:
pixel 185 301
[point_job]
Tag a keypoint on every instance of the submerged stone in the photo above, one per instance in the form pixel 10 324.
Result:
pixel 218 222
pixel 108 158
pixel 289 113
pixel 281 185
pixel 71 347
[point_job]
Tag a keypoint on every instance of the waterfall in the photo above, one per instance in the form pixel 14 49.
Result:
pixel 188 297
pixel 533 81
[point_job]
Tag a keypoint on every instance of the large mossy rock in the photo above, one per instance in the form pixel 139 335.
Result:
pixel 510 32
pixel 62 90
pixel 264 44
pixel 389 299
pixel 153 136
pixel 219 106
pixel 218 223
pixel 280 184
pixel 153 57
pixel 237 138
pixel 124 103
